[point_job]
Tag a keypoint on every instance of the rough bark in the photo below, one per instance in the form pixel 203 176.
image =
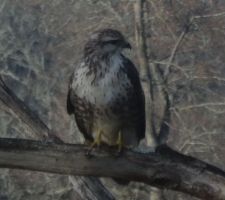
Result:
pixel 164 169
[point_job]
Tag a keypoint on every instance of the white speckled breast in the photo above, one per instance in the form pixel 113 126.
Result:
pixel 104 90
pixel 103 93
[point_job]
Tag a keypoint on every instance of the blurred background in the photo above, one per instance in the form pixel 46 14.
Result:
pixel 184 50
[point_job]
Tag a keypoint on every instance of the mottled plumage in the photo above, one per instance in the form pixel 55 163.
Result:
pixel 105 93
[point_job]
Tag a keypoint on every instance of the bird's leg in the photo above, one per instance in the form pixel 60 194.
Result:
pixel 96 142
pixel 119 142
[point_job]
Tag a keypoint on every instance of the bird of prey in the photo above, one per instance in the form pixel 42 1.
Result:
pixel 105 93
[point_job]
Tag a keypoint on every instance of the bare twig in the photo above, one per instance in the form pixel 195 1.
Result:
pixel 173 52
pixel 209 15
pixel 201 105
pixel 164 169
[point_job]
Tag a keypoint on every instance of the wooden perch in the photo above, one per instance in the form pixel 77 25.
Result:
pixel 39 130
pixel 164 169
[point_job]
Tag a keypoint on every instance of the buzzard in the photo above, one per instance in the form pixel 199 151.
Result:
pixel 105 93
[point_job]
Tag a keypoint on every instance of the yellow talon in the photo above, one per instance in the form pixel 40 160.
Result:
pixel 119 142
pixel 96 142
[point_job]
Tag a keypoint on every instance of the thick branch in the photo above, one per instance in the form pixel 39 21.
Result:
pixel 164 169
pixel 39 130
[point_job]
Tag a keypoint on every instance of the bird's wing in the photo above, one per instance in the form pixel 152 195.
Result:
pixel 82 110
pixel 138 98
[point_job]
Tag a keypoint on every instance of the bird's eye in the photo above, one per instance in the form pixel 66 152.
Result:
pixel 114 41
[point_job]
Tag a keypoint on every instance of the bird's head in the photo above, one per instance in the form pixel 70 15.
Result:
pixel 106 41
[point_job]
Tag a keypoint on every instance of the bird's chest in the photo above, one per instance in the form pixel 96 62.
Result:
pixel 102 90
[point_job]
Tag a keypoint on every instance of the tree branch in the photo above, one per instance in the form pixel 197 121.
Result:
pixel 145 74
pixel 10 100
pixel 38 129
pixel 164 169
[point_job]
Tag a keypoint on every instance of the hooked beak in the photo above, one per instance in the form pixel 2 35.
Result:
pixel 126 45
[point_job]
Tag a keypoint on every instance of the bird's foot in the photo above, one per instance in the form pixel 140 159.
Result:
pixel 95 143
pixel 119 144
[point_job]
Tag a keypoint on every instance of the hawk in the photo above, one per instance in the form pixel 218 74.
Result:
pixel 105 93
